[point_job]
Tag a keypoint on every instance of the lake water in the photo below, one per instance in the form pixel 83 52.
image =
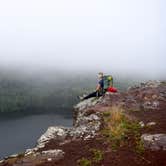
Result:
pixel 20 133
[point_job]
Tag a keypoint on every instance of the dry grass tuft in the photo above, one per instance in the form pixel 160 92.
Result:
pixel 116 115
pixel 118 126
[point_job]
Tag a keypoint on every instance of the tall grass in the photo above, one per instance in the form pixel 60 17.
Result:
pixel 118 126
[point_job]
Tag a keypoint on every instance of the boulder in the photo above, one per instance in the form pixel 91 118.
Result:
pixel 151 124
pixel 142 124
pixel 154 141
pixel 87 103
pixel 54 154
pixel 53 132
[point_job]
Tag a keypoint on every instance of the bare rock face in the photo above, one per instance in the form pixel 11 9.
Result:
pixel 151 105
pixel 150 95
pixel 53 132
pixel 32 160
pixel 85 127
pixel 87 103
pixel 54 154
pixel 152 84
pixel 154 141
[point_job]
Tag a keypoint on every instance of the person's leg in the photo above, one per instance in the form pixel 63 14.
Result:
pixel 93 94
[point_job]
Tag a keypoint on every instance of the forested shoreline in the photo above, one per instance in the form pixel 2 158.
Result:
pixel 49 92
pixel 37 95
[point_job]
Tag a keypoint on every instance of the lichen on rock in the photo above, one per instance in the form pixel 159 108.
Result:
pixel 154 141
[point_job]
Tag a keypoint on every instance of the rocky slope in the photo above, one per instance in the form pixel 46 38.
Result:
pixel 142 142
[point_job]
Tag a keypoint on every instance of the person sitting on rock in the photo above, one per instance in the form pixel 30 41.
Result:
pixel 99 88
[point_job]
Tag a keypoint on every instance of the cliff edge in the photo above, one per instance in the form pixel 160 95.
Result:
pixel 124 128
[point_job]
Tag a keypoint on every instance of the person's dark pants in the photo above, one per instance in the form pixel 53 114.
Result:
pixel 93 94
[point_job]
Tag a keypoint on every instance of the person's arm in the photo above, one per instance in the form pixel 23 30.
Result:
pixel 98 87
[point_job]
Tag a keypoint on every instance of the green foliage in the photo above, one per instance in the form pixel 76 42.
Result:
pixel 133 128
pixel 106 114
pixel 34 96
pixel 140 149
pixel 84 162
pixel 118 128
pixel 98 155
pixel 115 136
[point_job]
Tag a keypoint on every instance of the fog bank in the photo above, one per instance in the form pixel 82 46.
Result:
pixel 121 37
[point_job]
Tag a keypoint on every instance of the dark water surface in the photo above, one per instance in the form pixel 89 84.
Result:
pixel 21 132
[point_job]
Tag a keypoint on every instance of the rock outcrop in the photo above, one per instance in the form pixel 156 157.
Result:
pixel 154 141
pixel 145 102
pixel 85 126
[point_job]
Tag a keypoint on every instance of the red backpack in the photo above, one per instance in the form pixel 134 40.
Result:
pixel 111 89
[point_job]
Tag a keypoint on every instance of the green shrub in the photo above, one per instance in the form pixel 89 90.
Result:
pixel 118 127
pixel 84 162
pixel 139 147
pixel 98 155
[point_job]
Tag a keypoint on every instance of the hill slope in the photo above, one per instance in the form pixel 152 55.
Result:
pixel 127 128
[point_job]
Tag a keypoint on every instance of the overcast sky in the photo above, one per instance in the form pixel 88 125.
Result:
pixel 121 35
